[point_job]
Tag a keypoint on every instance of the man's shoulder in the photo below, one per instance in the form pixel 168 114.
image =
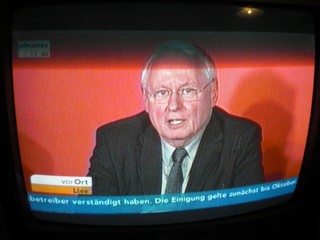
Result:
pixel 232 120
pixel 135 122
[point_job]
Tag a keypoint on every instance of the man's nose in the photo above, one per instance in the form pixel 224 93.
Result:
pixel 175 102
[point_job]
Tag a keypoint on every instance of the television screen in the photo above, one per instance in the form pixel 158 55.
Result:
pixel 102 93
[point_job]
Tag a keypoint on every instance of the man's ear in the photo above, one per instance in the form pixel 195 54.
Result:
pixel 145 99
pixel 215 94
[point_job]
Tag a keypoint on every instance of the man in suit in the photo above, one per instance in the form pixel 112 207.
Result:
pixel 133 156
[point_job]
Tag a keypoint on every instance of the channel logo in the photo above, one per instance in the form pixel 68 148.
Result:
pixel 34 49
pixel 66 185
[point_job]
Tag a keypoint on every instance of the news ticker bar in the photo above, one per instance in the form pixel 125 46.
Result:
pixel 159 203
pixel 66 185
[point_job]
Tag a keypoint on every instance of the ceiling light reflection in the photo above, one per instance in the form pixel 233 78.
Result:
pixel 249 12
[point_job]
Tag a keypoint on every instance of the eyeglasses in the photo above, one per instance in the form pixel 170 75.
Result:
pixel 187 94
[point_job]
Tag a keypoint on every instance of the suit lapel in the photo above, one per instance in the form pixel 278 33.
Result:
pixel 149 157
pixel 208 156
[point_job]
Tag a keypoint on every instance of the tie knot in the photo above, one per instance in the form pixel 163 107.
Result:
pixel 179 154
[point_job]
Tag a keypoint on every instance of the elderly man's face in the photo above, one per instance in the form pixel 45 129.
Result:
pixel 176 119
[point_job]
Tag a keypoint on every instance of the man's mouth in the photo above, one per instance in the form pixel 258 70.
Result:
pixel 175 122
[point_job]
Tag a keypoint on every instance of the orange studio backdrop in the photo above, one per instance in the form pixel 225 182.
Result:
pixel 62 99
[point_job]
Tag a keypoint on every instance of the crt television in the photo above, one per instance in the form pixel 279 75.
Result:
pixel 69 67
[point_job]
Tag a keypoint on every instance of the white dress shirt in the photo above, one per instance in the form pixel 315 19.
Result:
pixel 167 163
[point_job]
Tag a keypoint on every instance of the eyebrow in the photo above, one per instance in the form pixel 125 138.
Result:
pixel 185 85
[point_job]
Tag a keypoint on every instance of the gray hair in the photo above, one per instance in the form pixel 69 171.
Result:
pixel 181 48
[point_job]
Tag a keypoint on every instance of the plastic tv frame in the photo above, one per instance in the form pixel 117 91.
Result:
pixel 53 54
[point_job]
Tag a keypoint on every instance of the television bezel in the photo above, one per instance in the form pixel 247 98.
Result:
pixel 298 215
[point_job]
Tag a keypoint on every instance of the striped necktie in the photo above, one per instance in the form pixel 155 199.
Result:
pixel 175 179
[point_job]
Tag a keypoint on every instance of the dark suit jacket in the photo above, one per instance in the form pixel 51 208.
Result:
pixel 127 157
